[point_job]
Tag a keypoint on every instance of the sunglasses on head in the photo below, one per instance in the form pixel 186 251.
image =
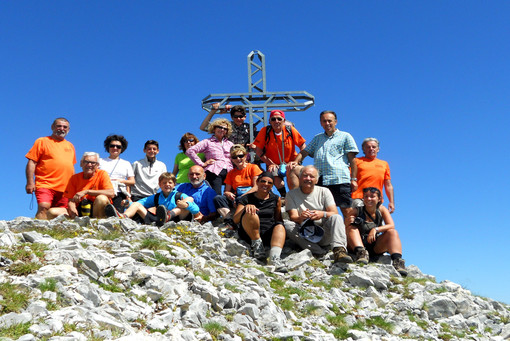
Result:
pixel 240 156
pixel 371 190
pixel 274 119
pixel 118 146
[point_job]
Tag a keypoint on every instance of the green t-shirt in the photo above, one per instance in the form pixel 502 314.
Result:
pixel 184 163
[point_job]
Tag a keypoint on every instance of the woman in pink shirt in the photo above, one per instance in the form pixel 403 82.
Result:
pixel 217 153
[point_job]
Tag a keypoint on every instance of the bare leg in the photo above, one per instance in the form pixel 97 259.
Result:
pixel 99 205
pixel 42 210
pixel 278 236
pixel 251 225
pixel 388 241
pixel 135 208
pixel 55 212
pixel 293 177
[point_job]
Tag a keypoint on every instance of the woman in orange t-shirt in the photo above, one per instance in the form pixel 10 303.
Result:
pixel 239 181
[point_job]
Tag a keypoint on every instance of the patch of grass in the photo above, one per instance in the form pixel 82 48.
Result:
pixel 49 284
pixel 153 244
pixel 24 269
pixel 378 321
pixel 312 310
pixel 162 331
pixel 15 298
pixel 15 331
pixel 59 232
pixel 181 262
pixel 110 235
pixel 317 264
pixel 214 328
pixel 287 304
pixel 161 259
pixel 421 323
pixel 202 275
pixel 341 333
pixel 337 320
pixel 439 290
pixel 111 287
pixel 231 287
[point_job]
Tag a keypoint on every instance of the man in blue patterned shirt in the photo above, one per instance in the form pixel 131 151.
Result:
pixel 333 152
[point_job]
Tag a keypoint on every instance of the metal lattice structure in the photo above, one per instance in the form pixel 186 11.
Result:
pixel 258 101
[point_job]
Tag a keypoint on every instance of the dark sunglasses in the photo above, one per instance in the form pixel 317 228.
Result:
pixel 238 156
pixel 190 141
pixel 222 128
pixel 274 119
pixel 239 116
pixel 94 163
pixel 118 146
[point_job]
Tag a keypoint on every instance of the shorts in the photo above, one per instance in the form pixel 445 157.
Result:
pixel 265 236
pixel 56 199
pixel 342 194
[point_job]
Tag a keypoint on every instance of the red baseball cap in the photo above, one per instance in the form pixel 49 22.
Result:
pixel 277 112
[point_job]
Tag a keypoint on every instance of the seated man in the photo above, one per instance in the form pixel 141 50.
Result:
pixel 315 203
pixel 147 172
pixel 88 192
pixel 160 207
pixel 201 193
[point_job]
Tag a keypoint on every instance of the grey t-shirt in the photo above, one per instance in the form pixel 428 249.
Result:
pixel 320 199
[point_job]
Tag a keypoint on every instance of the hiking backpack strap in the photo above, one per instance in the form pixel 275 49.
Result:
pixel 156 199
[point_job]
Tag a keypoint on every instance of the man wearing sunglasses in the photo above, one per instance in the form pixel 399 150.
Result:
pixel 88 192
pixel 51 161
pixel 275 153
pixel 240 130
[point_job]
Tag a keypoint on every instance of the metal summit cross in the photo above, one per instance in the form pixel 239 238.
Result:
pixel 258 101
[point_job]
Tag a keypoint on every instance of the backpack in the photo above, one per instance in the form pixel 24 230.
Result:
pixel 178 196
pixel 362 213
pixel 269 129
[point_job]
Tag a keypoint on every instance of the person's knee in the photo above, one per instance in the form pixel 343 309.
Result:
pixel 101 200
pixel 251 220
pixel 392 234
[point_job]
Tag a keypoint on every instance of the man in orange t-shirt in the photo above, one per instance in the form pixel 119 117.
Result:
pixel 51 160
pixel 373 172
pixel 269 147
pixel 88 192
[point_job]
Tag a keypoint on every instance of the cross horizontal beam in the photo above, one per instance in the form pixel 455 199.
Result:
pixel 257 102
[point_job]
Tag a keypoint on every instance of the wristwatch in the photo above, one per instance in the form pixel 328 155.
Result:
pixel 354 179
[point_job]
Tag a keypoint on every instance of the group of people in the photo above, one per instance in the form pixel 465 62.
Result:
pixel 146 192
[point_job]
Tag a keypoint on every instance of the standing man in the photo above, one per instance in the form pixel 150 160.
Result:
pixel 51 160
pixel 333 152
pixel 275 154
pixel 88 192
pixel 201 193
pixel 373 172
pixel 147 172
pixel 309 203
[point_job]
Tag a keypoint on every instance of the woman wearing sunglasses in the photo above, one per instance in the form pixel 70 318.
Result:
pixel 120 171
pixel 260 218
pixel 182 162
pixel 217 153
pixel 239 181
pixel 371 231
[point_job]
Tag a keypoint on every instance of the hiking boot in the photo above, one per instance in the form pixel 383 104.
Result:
pixel 340 255
pixel 362 256
pixel 258 251
pixel 161 215
pixel 279 265
pixel 400 265
pixel 111 211
pixel 229 224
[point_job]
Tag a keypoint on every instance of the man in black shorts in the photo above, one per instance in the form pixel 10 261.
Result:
pixel 333 152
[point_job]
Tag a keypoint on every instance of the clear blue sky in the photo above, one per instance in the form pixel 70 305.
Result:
pixel 430 79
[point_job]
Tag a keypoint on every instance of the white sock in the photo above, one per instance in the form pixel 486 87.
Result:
pixel 275 251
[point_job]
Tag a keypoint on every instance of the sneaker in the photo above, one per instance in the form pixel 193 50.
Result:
pixel 400 265
pixel 258 251
pixel 362 256
pixel 279 265
pixel 340 255
pixel 161 215
pixel 111 211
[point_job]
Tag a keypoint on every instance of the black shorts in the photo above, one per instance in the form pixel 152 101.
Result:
pixel 265 236
pixel 342 194
pixel 152 218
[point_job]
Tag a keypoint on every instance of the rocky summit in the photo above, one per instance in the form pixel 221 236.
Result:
pixel 88 279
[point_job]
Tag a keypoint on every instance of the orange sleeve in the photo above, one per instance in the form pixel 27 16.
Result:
pixel 260 140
